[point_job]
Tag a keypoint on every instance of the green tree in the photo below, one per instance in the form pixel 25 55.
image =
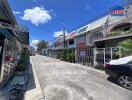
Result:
pixel 126 47
pixel 41 45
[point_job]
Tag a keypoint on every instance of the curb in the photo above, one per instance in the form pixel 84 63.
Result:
pixel 36 93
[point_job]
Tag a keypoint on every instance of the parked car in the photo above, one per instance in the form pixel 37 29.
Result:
pixel 121 70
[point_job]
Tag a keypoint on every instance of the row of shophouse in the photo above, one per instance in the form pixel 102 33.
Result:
pixel 96 43
pixel 13 38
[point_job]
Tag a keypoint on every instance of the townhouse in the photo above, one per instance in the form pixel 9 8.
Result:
pixel 97 42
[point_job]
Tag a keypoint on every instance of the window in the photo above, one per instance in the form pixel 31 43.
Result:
pixel 71 42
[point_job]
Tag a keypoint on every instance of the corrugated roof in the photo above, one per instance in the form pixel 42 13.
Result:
pixel 83 29
pixel 98 23
pixel 93 25
pixel 71 35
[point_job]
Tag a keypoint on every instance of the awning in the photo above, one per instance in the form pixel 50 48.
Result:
pixel 98 23
pixel 5 32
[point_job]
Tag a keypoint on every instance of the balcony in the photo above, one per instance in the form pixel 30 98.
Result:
pixel 72 46
pixel 119 32
pixel 18 28
pixel 58 47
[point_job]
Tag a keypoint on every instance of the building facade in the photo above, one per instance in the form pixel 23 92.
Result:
pixel 96 42
pixel 10 45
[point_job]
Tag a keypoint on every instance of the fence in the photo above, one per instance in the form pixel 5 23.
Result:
pixel 97 57
pixel 84 56
pixel 103 55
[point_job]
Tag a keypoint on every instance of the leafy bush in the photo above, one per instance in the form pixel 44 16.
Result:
pixel 24 60
pixel 67 55
pixel 63 54
pixel 126 47
pixel 131 30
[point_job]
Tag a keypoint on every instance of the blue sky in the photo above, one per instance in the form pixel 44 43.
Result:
pixel 46 18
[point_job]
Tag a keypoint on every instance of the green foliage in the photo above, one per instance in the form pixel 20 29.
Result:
pixel 130 30
pixel 24 60
pixel 73 57
pixel 118 32
pixel 63 54
pixel 126 47
pixel 67 55
pixel 113 33
pixel 41 45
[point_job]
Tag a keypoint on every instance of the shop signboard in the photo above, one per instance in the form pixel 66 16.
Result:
pixel 118 11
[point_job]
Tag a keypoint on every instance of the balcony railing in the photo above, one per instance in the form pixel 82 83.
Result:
pixel 118 32
pixel 72 46
pixel 18 28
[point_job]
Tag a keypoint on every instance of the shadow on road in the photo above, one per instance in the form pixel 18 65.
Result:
pixel 112 80
pixel 31 83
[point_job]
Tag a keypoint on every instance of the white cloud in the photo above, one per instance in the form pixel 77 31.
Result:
pixel 37 15
pixel 34 42
pixel 16 12
pixel 56 34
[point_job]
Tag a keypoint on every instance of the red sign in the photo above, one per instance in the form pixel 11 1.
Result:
pixel 118 12
pixel 81 45
pixel 7 58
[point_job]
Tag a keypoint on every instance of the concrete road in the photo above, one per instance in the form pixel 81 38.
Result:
pixel 65 81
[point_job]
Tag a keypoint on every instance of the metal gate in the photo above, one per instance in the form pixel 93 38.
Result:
pixel 103 55
pixel 84 56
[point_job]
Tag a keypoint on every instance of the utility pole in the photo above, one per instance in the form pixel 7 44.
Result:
pixel 64 39
pixel 126 8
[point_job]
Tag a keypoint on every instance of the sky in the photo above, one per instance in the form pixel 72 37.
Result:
pixel 46 19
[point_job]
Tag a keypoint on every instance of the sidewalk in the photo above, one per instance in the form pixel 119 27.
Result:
pixel 33 87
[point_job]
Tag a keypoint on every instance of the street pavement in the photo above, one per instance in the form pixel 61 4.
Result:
pixel 61 80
